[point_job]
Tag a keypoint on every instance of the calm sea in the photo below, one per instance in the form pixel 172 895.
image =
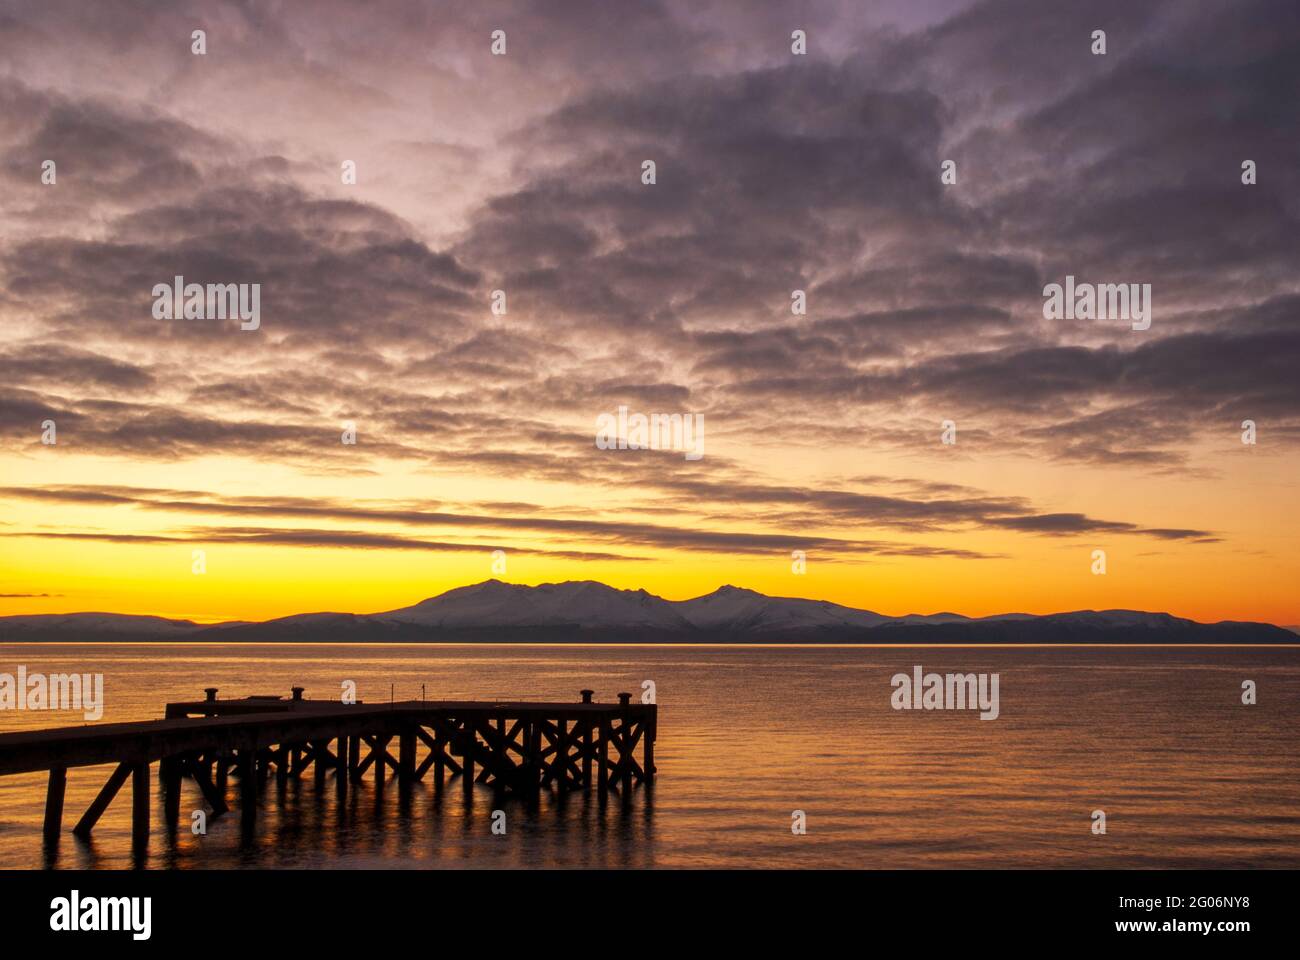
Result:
pixel 1158 738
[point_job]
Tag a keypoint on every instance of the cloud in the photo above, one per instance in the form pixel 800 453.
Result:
pixel 823 507
pixel 775 173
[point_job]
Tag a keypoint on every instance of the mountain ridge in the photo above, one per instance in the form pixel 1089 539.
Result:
pixel 590 611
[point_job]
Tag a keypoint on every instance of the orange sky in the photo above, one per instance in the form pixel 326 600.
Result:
pixel 500 274
pixel 1246 576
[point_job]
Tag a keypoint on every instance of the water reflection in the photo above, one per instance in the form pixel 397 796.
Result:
pixel 1158 737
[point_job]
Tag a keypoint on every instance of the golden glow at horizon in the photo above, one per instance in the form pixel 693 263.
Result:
pixel 1250 575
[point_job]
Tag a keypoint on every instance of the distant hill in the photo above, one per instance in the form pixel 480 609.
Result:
pixel 590 612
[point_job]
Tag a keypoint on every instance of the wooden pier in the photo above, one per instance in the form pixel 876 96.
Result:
pixel 523 748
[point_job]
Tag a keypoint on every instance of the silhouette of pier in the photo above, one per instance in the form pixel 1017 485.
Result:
pixel 523 748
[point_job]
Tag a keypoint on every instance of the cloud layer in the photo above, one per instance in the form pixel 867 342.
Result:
pixel 775 173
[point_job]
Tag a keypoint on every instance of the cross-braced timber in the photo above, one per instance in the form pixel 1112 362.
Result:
pixel 523 748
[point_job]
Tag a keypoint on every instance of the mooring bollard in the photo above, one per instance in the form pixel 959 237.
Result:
pixel 211 692
pixel 297 692
pixel 586 695
pixel 625 699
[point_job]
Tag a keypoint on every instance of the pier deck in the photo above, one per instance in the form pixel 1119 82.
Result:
pixel 522 747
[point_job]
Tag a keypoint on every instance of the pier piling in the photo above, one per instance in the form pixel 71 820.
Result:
pixel 54 792
pixel 517 747
pixel 140 803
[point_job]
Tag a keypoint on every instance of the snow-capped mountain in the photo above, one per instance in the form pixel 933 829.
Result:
pixel 587 611
pixel 99 623
pixel 1119 618
pixel 734 608
pixel 584 603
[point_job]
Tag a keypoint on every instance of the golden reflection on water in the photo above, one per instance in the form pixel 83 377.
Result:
pixel 1156 737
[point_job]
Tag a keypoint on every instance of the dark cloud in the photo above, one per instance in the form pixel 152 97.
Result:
pixel 826 507
pixel 1077 523
pixel 775 173
pixel 36 364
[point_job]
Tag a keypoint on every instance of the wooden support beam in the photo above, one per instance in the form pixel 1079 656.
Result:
pixel 602 748
pixel 626 746
pixel 648 750
pixel 304 754
pixel 513 741
pixel 625 737
pixel 575 757
pixel 343 771
pixel 406 758
pixel 523 769
pixel 54 792
pixel 533 766
pixel 354 758
pixel 379 754
pixel 440 744
pixel 549 769
pixel 534 760
pixel 586 754
pixel 106 794
pixel 468 744
pixel 371 755
pixel 247 785
pixel 379 750
pixel 216 798
pixel 564 752
pixel 431 757
pixel 140 804
pixel 495 759
pixel 425 764
pixel 170 774
pixel 319 754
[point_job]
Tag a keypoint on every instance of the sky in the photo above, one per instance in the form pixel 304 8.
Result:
pixel 523 172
